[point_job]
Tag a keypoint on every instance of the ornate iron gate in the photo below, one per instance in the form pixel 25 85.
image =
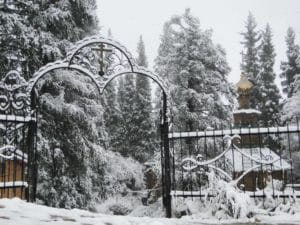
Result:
pixel 101 60
pixel 18 139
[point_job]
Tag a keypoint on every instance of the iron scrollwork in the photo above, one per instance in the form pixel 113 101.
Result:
pixel 102 58
pixel 13 97
pixel 266 162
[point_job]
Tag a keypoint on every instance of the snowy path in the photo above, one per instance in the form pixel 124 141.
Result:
pixel 16 212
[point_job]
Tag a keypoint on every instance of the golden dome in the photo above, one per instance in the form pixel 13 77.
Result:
pixel 244 83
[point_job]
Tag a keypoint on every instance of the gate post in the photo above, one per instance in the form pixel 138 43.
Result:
pixel 32 152
pixel 166 160
pixel 31 163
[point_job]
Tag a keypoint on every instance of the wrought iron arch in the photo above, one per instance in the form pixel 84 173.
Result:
pixel 83 58
pixel 118 61
pixel 140 72
pixel 57 66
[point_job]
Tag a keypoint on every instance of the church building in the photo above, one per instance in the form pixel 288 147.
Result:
pixel 252 145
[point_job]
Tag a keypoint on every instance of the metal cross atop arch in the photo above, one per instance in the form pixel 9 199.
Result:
pixel 101 49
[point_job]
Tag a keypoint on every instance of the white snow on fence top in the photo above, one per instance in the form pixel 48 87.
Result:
pixel 13 184
pixel 205 192
pixel 247 111
pixel 17 118
pixel 215 133
pixel 240 163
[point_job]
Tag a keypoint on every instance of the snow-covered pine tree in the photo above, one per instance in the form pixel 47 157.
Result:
pixel 291 115
pixel 145 143
pixel 141 59
pixel 291 67
pixel 134 135
pixel 196 70
pixel 40 31
pixel 268 95
pixel 125 140
pixel 290 109
pixel 111 110
pixel 35 33
pixel 72 100
pixel 250 65
pixel 291 78
pixel 19 48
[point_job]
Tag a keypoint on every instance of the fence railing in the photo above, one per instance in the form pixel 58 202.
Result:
pixel 17 137
pixel 259 161
pixel 13 158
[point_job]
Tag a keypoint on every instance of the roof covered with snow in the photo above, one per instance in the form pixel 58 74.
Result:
pixel 240 162
pixel 247 111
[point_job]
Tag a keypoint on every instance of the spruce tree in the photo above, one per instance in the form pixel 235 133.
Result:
pixel 291 78
pixel 291 109
pixel 196 70
pixel 145 143
pixel 268 94
pixel 125 140
pixel 19 49
pixel 111 114
pixel 135 134
pixel 249 65
pixel 38 32
pixel 111 110
pixel 290 67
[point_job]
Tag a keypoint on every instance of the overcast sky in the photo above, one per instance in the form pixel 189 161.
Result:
pixel 128 19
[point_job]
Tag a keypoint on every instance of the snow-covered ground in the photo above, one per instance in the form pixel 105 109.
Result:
pixel 16 212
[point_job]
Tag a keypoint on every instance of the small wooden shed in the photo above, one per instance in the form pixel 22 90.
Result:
pixel 260 174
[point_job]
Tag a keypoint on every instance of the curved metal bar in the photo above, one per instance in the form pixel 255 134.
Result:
pixel 97 40
pixel 190 168
pixel 4 148
pixel 56 66
pixel 245 173
pixel 6 156
pixel 7 147
pixel 139 72
pixel 143 72
pixel 220 171
pixel 264 162
pixel 4 105
pixel 21 82
pixel 205 163
pixel 250 170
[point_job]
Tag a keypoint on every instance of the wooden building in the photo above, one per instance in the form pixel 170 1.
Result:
pixel 260 174
pixel 251 145
pixel 13 164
